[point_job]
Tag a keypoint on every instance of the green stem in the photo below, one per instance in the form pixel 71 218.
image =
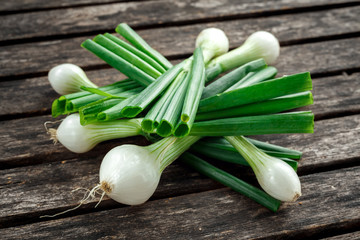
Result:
pixel 252 154
pixel 223 83
pixel 127 55
pixel 271 106
pixel 137 52
pixel 254 77
pixel 118 63
pixel 294 122
pixel 129 34
pixel 151 92
pixel 169 149
pixel 114 129
pixel 258 92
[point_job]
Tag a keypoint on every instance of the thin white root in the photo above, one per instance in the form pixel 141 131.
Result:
pixel 51 131
pixel 90 194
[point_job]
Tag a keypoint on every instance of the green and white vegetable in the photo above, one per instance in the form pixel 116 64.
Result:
pixel 246 101
pixel 80 139
pixel 130 174
pixel 213 43
pixel 68 78
pixel 260 44
pixel 276 177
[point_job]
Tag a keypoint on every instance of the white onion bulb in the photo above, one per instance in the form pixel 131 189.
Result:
pixel 129 174
pixel 68 78
pixel 265 45
pixel 260 44
pixel 213 43
pixel 80 139
pixel 73 136
pixel 278 179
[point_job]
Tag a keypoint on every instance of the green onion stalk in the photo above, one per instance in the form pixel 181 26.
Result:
pixel 276 177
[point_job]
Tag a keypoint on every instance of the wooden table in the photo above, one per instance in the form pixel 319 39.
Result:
pixel 37 177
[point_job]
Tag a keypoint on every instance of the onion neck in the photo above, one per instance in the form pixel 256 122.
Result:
pixel 252 154
pixel 114 129
pixel 234 58
pixel 169 149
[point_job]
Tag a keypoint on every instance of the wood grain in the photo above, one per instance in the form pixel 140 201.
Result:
pixel 139 14
pixel 231 216
pixel 35 5
pixel 33 191
pixel 39 57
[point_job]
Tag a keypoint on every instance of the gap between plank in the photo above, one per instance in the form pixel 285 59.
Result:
pixel 318 232
pixel 186 55
pixel 109 204
pixel 10 12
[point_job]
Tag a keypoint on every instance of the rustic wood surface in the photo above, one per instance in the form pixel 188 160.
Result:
pixel 38 178
pixel 288 28
pixel 190 216
pixel 141 14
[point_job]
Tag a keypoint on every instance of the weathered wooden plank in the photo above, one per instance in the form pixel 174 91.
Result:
pixel 46 188
pixel 330 201
pixel 33 191
pixel 336 95
pixel 41 93
pixel 104 17
pixel 41 56
pixel 31 5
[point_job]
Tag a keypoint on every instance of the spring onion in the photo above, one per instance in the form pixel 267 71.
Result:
pixel 129 174
pixel 68 78
pixel 220 149
pixel 80 139
pixel 276 177
pixel 213 42
pixel 75 104
pixel 60 105
pixel 260 44
pixel 88 113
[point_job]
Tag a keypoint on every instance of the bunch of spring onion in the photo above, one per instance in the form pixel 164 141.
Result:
pixel 125 159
